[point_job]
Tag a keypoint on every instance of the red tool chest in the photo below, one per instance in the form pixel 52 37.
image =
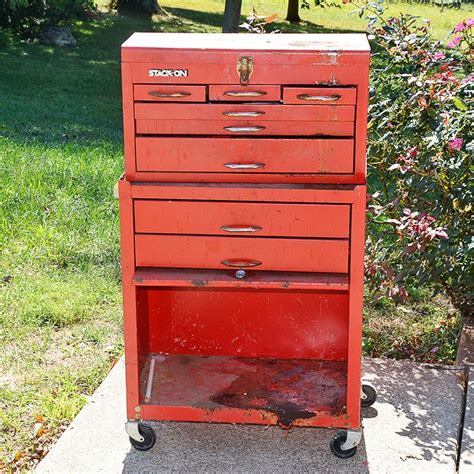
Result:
pixel 242 227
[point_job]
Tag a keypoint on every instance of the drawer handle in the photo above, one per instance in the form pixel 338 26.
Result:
pixel 245 93
pixel 244 166
pixel 320 98
pixel 244 129
pixel 250 228
pixel 169 95
pixel 243 114
pixel 241 263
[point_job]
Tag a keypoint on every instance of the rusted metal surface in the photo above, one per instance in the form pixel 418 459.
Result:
pixel 222 175
pixel 170 277
pixel 283 390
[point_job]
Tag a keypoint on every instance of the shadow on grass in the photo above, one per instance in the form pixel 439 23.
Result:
pixel 214 19
pixel 54 95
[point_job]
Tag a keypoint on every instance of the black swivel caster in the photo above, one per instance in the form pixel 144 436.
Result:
pixel 147 436
pixel 368 395
pixel 344 443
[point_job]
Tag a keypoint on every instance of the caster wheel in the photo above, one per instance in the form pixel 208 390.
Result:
pixel 337 441
pixel 149 441
pixel 369 395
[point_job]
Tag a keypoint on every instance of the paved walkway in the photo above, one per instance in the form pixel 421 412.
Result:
pixel 413 427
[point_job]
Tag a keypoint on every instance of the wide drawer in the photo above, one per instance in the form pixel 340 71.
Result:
pixel 320 95
pixel 169 93
pixel 244 112
pixel 238 93
pixel 298 255
pixel 244 128
pixel 244 155
pixel 242 218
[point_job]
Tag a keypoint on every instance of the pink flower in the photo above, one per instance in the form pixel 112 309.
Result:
pixel 454 43
pixel 437 56
pixel 459 27
pixel 463 25
pixel 468 79
pixel 455 144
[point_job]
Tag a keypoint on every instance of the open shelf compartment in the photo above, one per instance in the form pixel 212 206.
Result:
pixel 286 392
pixel 211 350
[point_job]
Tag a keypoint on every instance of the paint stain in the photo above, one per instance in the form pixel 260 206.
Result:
pixel 283 389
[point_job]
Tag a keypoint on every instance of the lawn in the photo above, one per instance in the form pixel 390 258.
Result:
pixel 60 156
pixel 205 15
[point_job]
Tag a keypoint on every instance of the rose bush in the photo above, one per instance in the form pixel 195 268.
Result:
pixel 420 148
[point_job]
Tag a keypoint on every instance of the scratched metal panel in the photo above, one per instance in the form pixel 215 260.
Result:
pixel 247 323
pixel 289 389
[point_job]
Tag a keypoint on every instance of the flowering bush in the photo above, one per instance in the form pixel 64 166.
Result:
pixel 420 160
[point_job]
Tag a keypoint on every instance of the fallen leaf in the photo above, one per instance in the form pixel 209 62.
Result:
pixel 38 430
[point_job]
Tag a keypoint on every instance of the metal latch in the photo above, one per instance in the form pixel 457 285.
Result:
pixel 245 68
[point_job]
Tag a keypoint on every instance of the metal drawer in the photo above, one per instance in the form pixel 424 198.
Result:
pixel 320 95
pixel 242 218
pixel 250 93
pixel 169 93
pixel 245 155
pixel 279 254
pixel 254 113
pixel 245 128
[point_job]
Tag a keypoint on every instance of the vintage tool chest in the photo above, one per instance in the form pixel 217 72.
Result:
pixel 242 227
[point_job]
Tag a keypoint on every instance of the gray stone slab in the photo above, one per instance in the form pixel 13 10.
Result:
pixel 412 427
pixel 466 461
pixel 415 423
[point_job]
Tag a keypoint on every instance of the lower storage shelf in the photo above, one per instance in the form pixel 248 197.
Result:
pixel 286 392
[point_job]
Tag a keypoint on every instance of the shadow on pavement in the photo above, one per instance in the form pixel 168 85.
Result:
pixel 413 426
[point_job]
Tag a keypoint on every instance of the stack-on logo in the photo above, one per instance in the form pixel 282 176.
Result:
pixel 168 72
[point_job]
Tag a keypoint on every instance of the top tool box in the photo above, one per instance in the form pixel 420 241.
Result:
pixel 242 227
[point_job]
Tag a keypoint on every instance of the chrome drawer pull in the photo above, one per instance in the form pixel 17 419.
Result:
pixel 244 166
pixel 243 114
pixel 169 95
pixel 320 98
pixel 244 129
pixel 245 94
pixel 250 228
pixel 241 263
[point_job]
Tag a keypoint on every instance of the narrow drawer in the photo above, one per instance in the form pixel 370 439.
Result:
pixel 247 128
pixel 169 93
pixel 245 113
pixel 320 95
pixel 298 255
pixel 242 218
pixel 238 93
pixel 245 155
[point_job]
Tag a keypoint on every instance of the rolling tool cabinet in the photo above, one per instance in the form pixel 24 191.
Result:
pixel 242 227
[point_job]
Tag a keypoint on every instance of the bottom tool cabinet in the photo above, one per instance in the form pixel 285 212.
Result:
pixel 221 327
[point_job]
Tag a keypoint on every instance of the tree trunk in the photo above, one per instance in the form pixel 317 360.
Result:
pixel 231 16
pixel 144 6
pixel 292 14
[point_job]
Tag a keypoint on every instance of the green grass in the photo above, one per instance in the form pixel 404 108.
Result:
pixel 60 156
pixel 206 15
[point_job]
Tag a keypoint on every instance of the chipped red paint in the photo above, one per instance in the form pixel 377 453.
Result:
pixel 282 391
pixel 282 345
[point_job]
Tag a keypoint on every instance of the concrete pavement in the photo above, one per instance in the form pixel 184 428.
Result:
pixel 413 427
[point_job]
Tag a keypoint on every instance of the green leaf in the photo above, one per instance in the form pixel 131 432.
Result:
pixel 459 104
